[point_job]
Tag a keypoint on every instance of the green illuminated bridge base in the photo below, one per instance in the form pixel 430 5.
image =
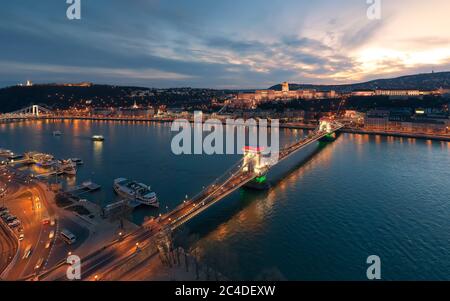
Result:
pixel 259 183
pixel 329 137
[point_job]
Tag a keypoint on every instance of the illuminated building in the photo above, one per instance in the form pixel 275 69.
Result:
pixel 252 99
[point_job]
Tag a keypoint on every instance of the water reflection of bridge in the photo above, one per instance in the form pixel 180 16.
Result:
pixel 248 169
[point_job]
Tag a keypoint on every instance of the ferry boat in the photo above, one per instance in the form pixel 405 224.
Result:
pixel 5 152
pixel 57 133
pixel 98 138
pixel 135 191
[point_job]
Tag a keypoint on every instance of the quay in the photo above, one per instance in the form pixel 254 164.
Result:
pixel 283 125
pixel 87 186
pixel 19 159
pixel 39 113
pixel 117 207
pixel 49 174
pixel 397 134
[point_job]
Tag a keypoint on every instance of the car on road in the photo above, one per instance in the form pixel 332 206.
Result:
pixel 5 212
pixel 21 236
pixel 5 216
pixel 47 245
pixel 68 237
pixel 51 234
pixel 52 222
pixel 10 218
pixel 27 252
pixel 46 221
pixel 14 224
pixel 39 264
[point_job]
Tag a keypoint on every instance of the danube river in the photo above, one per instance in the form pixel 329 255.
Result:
pixel 358 196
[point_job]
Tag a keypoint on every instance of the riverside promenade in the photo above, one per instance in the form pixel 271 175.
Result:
pixel 429 136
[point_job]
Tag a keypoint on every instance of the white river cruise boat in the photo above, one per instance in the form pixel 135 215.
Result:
pixel 135 191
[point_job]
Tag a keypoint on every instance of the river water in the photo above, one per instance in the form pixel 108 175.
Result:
pixel 322 217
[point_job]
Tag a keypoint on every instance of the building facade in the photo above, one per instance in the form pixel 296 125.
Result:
pixel 285 94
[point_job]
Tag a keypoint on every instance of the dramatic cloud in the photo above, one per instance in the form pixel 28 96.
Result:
pixel 234 44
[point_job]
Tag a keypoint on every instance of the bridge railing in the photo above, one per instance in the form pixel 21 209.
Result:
pixel 211 193
pixel 315 135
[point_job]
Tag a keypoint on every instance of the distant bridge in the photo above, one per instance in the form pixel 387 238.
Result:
pixel 31 112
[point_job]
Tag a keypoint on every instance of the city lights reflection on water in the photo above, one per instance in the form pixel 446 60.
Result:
pixel 358 196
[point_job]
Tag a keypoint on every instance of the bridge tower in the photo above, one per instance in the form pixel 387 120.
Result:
pixel 325 125
pixel 35 110
pixel 164 245
pixel 255 163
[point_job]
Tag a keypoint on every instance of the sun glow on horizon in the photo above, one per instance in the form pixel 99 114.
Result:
pixel 392 60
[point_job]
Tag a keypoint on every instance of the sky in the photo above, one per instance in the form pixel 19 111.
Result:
pixel 221 43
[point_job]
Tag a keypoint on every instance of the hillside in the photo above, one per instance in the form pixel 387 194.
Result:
pixel 63 96
pixel 426 81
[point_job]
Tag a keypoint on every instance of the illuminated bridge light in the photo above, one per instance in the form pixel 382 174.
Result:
pixel 261 179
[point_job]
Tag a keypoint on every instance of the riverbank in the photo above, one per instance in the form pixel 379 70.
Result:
pixel 397 134
pixel 91 231
pixel 165 120
pixel 301 126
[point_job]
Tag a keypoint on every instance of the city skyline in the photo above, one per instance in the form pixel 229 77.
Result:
pixel 221 45
pixel 210 143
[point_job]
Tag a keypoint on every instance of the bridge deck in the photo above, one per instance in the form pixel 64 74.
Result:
pixel 215 193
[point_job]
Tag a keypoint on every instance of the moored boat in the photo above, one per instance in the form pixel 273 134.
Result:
pixel 67 167
pixel 5 152
pixel 133 190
